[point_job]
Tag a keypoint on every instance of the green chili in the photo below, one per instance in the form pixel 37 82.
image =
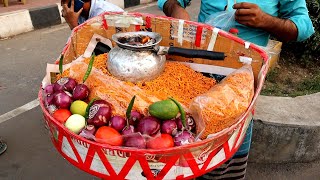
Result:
pixel 61 64
pixel 182 112
pixel 86 75
pixel 128 113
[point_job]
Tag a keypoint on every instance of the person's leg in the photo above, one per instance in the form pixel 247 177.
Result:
pixel 235 168
pixel 3 147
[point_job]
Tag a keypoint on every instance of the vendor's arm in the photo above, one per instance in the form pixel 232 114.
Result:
pixel 174 8
pixel 294 24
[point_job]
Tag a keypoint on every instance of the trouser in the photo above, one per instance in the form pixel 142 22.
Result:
pixel 234 168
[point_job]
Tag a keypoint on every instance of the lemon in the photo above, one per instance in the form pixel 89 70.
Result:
pixel 78 107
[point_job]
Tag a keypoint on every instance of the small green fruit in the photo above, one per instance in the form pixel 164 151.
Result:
pixel 78 107
pixel 164 110
pixel 75 123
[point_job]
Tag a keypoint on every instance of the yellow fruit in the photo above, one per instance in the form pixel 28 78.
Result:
pixel 78 107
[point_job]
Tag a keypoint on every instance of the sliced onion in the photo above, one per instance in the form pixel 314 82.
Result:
pixel 88 132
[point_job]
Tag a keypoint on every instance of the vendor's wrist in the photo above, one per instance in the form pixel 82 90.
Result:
pixel 267 21
pixel 170 7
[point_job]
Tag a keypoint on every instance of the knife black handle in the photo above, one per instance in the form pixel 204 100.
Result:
pixel 196 53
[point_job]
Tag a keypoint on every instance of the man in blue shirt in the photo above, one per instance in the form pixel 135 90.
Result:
pixel 287 20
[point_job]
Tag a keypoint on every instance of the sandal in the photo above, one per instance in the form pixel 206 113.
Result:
pixel 3 147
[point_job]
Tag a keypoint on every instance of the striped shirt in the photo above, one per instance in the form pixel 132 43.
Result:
pixel 234 168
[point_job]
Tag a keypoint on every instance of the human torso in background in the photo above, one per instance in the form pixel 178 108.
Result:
pixel 295 10
pixel 98 7
pixel 254 35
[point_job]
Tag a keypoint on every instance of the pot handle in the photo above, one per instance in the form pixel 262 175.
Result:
pixel 196 53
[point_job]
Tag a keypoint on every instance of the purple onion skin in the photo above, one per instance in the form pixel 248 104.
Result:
pixel 148 125
pixel 118 123
pixel 183 138
pixel 49 100
pixel 128 130
pixel 65 84
pixel 81 92
pixel 48 90
pixel 62 100
pixel 88 132
pixel 190 124
pixel 135 140
pixel 57 87
pixel 70 85
pixel 169 127
pixel 135 117
pixel 99 113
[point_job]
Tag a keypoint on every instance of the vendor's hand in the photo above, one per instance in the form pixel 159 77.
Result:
pixel 249 14
pixel 69 15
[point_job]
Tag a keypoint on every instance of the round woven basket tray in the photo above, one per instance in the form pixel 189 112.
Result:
pixel 184 162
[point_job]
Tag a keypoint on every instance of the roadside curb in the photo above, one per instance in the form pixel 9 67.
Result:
pixel 17 22
pixel 286 130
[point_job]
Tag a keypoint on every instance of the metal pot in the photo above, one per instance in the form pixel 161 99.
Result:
pixel 145 62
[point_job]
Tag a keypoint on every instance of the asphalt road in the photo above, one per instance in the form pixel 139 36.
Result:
pixel 30 153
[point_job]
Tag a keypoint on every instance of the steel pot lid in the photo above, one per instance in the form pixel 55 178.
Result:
pixel 122 39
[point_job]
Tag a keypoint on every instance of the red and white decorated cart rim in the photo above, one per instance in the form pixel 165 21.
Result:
pixel 229 151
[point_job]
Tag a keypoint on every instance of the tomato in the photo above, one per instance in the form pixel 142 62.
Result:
pixel 61 115
pixel 108 135
pixel 161 142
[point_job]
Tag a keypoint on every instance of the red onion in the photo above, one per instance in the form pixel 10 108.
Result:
pixel 88 132
pixel 148 125
pixel 169 127
pixel 57 87
pixel 135 140
pixel 128 130
pixel 118 123
pixel 70 85
pixel 135 116
pixel 190 124
pixel 99 113
pixel 65 83
pixel 62 100
pixel 183 138
pixel 49 100
pixel 48 90
pixel 80 92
